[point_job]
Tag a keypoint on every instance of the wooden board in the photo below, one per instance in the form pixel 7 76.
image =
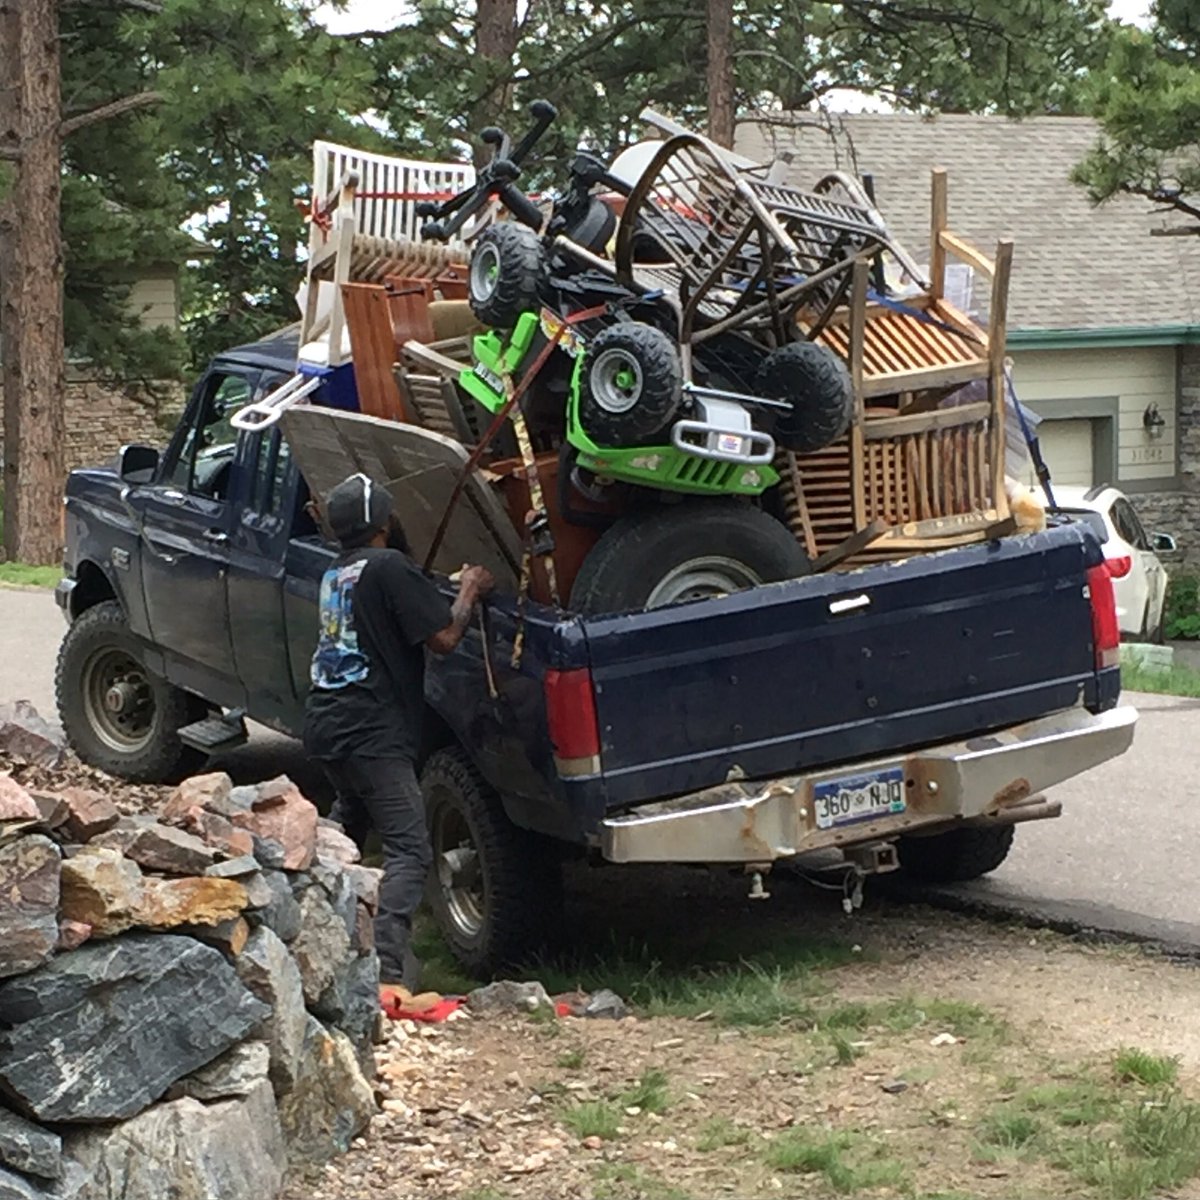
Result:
pixel 420 469
pixel 373 347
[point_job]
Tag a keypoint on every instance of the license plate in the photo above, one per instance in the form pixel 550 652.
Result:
pixel 859 798
pixel 730 443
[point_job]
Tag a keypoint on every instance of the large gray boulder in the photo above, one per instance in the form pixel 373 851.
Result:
pixel 126 1019
pixel 331 1103
pixel 29 890
pixel 269 971
pixel 322 945
pixel 185 1150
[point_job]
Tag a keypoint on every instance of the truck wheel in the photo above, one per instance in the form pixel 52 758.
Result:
pixel 494 889
pixel 507 266
pixel 815 382
pixel 956 856
pixel 690 551
pixel 117 715
pixel 632 385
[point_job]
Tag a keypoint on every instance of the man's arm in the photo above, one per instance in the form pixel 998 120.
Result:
pixel 475 583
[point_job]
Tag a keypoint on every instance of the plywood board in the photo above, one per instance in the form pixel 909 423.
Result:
pixel 420 469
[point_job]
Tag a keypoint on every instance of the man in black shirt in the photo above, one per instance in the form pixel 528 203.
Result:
pixel 378 613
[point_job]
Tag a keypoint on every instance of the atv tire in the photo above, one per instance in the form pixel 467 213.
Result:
pixel 494 889
pixel 956 856
pixel 632 385
pixel 505 275
pixel 689 551
pixel 815 382
pixel 117 715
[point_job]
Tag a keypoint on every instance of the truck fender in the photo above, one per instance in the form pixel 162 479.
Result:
pixel 93 585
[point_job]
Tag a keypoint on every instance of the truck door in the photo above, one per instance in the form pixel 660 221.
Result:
pixel 186 520
pixel 258 547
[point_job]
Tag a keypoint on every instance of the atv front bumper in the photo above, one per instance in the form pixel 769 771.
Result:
pixel 994 778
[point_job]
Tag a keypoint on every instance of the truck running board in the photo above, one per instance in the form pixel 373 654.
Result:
pixel 222 731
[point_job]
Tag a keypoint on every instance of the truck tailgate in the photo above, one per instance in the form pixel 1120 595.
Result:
pixel 838 667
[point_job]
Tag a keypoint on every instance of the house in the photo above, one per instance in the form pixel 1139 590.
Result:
pixel 1104 317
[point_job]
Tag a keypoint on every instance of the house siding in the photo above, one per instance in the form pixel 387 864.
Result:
pixel 1114 384
pixel 154 300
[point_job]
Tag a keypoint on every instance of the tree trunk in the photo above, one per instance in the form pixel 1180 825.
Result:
pixel 720 72
pixel 496 45
pixel 32 269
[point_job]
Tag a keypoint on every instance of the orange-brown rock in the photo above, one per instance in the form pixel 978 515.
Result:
pixel 90 813
pixel 198 901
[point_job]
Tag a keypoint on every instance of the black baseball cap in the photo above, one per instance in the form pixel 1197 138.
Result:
pixel 358 507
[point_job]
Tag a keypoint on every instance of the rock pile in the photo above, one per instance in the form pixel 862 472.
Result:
pixel 188 1001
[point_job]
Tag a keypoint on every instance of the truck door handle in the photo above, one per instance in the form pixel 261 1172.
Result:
pixel 216 535
pixel 171 496
pixel 848 604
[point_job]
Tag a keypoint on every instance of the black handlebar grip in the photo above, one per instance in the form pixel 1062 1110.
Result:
pixel 543 110
pixel 521 206
pixel 433 231
pixel 491 136
pixel 427 208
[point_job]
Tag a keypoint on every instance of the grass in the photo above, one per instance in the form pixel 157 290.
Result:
pixel 1136 1066
pixel 1175 681
pixel 15 574
pixel 572 1060
pixel 593 1118
pixel 615 1181
pixel 1007 1129
pixel 649 1093
pixel 849 1162
pixel 720 1132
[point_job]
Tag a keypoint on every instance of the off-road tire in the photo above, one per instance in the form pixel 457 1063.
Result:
pixel 521 875
pixel 632 565
pixel 162 758
pixel 815 382
pixel 651 402
pixel 515 254
pixel 956 856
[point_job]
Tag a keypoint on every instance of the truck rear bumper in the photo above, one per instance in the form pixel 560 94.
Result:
pixel 996 777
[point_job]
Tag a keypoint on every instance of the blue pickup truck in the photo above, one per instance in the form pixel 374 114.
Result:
pixel 907 714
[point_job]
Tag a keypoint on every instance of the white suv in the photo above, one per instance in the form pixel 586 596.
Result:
pixel 1139 578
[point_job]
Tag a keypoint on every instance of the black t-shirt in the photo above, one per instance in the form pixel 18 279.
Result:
pixel 377 608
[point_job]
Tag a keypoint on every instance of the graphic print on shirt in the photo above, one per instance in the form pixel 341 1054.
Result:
pixel 338 661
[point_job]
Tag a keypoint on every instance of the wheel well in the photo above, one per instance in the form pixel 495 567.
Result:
pixel 435 735
pixel 91 588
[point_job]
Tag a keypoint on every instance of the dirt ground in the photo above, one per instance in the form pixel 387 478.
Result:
pixel 898 1052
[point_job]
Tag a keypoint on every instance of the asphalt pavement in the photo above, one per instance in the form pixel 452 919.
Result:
pixel 1121 858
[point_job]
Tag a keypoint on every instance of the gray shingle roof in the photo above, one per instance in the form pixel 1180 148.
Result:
pixel 1074 266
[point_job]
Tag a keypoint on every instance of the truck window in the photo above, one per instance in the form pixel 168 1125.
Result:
pixel 199 461
pixel 272 484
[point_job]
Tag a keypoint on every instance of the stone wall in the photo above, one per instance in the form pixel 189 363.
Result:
pixel 188 1001
pixel 1178 512
pixel 100 420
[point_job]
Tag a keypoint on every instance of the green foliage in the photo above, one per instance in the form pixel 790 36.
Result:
pixel 1137 1066
pixel 849 1162
pixel 593 1118
pixel 650 1093
pixel 601 62
pixel 1181 609
pixel 1177 681
pixel 21 575
pixel 1147 98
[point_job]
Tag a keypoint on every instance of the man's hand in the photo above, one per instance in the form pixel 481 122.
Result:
pixel 478 580
pixel 473 584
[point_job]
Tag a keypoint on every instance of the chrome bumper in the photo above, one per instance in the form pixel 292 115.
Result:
pixel 995 777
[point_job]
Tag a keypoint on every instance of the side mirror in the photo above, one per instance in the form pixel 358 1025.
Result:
pixel 138 461
pixel 1163 543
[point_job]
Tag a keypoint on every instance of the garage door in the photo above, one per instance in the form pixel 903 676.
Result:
pixel 1067 447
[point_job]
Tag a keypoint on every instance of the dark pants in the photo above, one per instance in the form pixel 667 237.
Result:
pixel 383 792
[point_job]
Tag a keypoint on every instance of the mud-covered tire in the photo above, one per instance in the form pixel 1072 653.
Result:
pixel 956 856
pixel 815 382
pixel 508 264
pixel 98 654
pixel 632 385
pixel 515 874
pixel 689 551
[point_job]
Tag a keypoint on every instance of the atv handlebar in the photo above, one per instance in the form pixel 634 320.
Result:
pixel 497 179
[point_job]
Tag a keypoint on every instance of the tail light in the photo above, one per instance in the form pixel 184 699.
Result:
pixel 1118 568
pixel 1106 634
pixel 571 718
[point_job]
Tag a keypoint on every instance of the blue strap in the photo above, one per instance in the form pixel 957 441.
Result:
pixel 910 310
pixel 1035 449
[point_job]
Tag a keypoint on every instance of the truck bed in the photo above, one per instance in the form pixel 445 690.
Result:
pixel 839 667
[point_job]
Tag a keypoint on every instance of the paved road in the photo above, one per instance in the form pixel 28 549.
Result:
pixel 1122 857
